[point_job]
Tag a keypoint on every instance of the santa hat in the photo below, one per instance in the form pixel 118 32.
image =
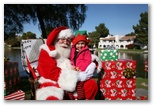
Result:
pixel 59 32
pixel 80 38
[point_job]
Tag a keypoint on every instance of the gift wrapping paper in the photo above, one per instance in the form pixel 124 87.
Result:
pixel 18 95
pixel 114 85
pixel 11 77
pixel 109 55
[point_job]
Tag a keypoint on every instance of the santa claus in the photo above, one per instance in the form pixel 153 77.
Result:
pixel 57 75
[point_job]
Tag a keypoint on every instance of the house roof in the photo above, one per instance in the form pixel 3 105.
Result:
pixel 127 38
pixel 122 38
pixel 108 38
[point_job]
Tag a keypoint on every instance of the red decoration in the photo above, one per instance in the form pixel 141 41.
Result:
pixel 18 95
pixel 114 85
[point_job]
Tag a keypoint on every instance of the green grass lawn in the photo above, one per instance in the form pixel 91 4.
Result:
pixel 130 50
pixel 142 83
pixel 25 86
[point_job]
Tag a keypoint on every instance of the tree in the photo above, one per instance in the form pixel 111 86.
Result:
pixel 29 35
pixel 101 31
pixel 49 16
pixel 131 34
pixel 94 38
pixel 141 29
pixel 14 40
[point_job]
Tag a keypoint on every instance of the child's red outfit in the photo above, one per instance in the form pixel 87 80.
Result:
pixel 80 59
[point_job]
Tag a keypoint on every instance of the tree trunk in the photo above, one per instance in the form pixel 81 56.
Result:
pixel 44 35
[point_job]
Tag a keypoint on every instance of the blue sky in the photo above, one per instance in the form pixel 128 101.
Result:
pixel 118 18
pixel 91 27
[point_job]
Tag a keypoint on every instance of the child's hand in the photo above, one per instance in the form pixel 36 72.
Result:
pixel 77 69
pixel 73 68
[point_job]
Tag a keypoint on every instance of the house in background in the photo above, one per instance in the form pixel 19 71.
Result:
pixel 117 41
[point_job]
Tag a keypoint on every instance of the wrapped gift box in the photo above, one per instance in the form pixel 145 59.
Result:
pixel 109 55
pixel 123 64
pixel 109 67
pixel 18 95
pixel 11 77
pixel 114 85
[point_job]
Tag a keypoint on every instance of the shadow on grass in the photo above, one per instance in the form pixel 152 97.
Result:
pixel 25 86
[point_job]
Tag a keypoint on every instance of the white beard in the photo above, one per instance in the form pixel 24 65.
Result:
pixel 62 57
pixel 63 52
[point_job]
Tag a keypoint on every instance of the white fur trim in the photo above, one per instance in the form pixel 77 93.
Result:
pixel 65 33
pixel 44 47
pixel 99 68
pixel 68 79
pixel 94 57
pixel 52 53
pixel 43 80
pixel 44 93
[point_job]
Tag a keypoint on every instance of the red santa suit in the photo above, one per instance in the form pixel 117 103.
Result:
pixel 54 80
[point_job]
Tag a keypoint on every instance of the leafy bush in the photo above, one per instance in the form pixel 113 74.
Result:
pixel 133 46
pixel 130 46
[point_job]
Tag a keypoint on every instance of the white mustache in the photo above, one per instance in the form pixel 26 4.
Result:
pixel 64 45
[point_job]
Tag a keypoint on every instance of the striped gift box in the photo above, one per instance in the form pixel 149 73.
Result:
pixel 18 95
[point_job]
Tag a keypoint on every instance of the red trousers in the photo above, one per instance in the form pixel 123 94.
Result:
pixel 85 90
pixel 79 90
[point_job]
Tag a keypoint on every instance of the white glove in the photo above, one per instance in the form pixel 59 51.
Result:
pixel 88 73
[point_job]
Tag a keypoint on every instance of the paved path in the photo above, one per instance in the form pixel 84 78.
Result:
pixel 141 92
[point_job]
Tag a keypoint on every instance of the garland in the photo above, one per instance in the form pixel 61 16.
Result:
pixel 129 73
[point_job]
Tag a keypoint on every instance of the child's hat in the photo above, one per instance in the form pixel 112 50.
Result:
pixel 80 38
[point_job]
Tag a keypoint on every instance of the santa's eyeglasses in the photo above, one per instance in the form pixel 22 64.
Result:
pixel 65 39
